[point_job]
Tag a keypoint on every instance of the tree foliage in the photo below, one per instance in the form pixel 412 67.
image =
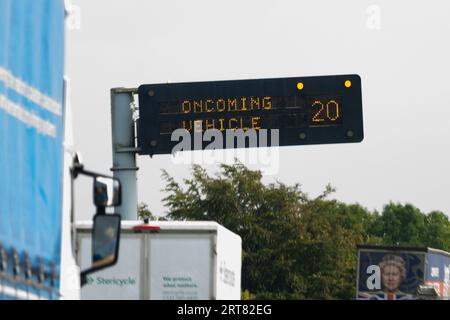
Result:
pixel 294 246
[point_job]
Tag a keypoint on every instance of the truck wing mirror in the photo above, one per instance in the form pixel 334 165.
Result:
pixel 105 243
pixel 107 191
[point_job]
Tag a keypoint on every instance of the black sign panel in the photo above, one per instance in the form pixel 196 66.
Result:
pixel 305 110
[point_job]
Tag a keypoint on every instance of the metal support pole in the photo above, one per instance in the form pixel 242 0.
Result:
pixel 124 150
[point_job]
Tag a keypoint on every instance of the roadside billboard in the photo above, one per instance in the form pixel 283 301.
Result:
pixel 438 272
pixel 389 274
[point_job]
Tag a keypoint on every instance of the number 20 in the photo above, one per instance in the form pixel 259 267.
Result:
pixel 319 116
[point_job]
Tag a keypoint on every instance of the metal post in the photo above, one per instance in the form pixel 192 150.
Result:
pixel 124 150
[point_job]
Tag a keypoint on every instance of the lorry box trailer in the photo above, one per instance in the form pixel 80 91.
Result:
pixel 166 260
pixel 400 273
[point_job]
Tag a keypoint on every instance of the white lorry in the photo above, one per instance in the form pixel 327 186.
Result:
pixel 166 260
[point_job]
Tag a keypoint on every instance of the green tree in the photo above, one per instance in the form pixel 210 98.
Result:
pixel 266 217
pixel 331 233
pixel 146 215
pixel 293 246
pixel 144 212
pixel 437 231
pixel 399 224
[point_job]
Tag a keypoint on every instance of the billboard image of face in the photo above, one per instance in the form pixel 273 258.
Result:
pixel 389 275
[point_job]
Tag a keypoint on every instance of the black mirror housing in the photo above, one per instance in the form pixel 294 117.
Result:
pixel 107 192
pixel 105 243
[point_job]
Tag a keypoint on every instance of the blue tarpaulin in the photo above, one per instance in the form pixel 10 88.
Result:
pixel 31 132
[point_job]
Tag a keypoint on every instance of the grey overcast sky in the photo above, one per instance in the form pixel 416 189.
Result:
pixel 400 49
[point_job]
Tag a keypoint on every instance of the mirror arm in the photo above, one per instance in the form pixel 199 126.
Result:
pixel 76 169
pixel 84 274
pixel 101 210
pixel 83 277
pixel 79 169
pixel 87 173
